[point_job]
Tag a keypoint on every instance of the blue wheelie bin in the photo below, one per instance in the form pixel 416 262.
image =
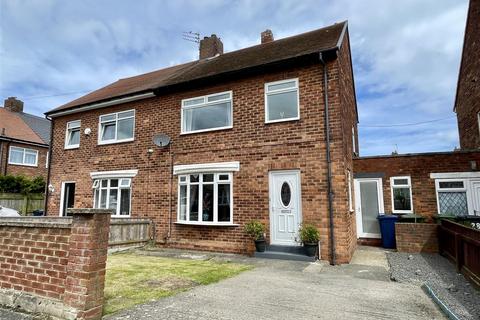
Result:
pixel 387 229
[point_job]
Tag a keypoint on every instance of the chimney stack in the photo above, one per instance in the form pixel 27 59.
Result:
pixel 267 36
pixel 210 47
pixel 13 104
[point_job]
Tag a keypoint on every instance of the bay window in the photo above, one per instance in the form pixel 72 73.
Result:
pixel 113 194
pixel 206 113
pixel 401 194
pixel 205 198
pixel 282 101
pixel 116 127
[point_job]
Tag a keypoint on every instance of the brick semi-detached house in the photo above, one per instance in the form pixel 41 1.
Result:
pixel 24 140
pixel 266 132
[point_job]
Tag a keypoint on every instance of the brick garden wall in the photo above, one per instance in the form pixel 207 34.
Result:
pixel 55 265
pixel 259 147
pixel 418 167
pixel 416 237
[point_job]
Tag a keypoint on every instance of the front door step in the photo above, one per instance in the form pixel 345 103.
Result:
pixel 295 253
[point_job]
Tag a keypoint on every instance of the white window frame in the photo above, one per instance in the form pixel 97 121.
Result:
pixel 67 134
pixel 115 140
pixel 97 185
pixel 205 103
pixel 408 185
pixel 464 189
pixel 267 93
pixel 216 182
pixel 24 150
pixel 350 200
pixel 354 142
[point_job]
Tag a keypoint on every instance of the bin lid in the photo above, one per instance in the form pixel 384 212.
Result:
pixel 387 217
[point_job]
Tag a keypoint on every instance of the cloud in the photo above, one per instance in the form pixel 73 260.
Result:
pixel 406 54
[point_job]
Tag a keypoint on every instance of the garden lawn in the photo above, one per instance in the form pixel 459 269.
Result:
pixel 134 279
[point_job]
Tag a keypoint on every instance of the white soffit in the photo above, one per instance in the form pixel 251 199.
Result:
pixel 114 174
pixel 207 167
pixel 455 175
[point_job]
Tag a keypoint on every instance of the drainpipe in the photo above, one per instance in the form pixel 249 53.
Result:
pixel 45 205
pixel 329 162
pixel 7 150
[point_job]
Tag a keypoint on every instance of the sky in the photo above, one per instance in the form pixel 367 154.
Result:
pixel 406 54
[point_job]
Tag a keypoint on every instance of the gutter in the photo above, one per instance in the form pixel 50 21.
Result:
pixel 43 145
pixel 329 162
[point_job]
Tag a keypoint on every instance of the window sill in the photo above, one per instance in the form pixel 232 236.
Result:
pixel 211 224
pixel 72 147
pixel 23 165
pixel 206 130
pixel 101 143
pixel 282 120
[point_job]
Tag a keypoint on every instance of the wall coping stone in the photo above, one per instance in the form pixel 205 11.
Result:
pixel 36 222
pixel 89 211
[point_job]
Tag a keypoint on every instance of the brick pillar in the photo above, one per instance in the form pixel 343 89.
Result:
pixel 86 262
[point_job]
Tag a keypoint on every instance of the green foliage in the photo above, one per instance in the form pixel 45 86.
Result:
pixel 309 233
pixel 255 229
pixel 21 184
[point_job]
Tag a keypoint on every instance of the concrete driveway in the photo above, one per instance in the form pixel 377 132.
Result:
pixel 298 290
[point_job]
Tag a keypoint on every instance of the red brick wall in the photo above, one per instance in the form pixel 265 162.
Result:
pixel 418 167
pixel 468 92
pixel 259 148
pixel 56 258
pixel 12 169
pixel 416 237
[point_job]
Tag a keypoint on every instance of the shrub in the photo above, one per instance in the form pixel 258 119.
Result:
pixel 255 229
pixel 309 233
pixel 21 184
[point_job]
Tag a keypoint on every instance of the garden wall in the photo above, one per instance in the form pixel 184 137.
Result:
pixel 55 265
pixel 416 237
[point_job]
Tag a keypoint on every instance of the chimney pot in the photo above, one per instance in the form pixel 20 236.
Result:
pixel 210 47
pixel 13 104
pixel 266 36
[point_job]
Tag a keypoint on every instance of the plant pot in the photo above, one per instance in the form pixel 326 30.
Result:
pixel 260 245
pixel 311 249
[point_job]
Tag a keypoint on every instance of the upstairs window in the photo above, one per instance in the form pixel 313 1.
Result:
pixel 452 197
pixel 72 137
pixel 117 127
pixel 113 194
pixel 205 198
pixel 23 156
pixel 401 194
pixel 206 113
pixel 282 101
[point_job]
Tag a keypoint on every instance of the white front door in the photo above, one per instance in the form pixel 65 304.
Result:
pixel 285 207
pixel 369 204
pixel 475 187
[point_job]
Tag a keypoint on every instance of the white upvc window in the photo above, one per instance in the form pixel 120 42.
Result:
pixel 282 102
pixel 23 156
pixel 207 113
pixel 350 201
pixel 113 193
pixel 354 141
pixel 116 127
pixel 452 196
pixel 205 198
pixel 72 135
pixel 402 201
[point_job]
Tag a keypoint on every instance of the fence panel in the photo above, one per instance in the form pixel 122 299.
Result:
pixel 461 245
pixel 25 204
pixel 129 232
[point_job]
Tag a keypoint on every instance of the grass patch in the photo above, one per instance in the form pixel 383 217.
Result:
pixel 134 279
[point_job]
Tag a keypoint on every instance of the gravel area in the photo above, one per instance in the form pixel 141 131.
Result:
pixel 440 274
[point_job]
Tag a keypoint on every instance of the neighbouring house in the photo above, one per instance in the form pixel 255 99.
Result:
pixel 267 132
pixel 467 102
pixel 434 183
pixel 24 141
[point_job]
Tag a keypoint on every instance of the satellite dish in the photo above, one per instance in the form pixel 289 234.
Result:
pixel 161 140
